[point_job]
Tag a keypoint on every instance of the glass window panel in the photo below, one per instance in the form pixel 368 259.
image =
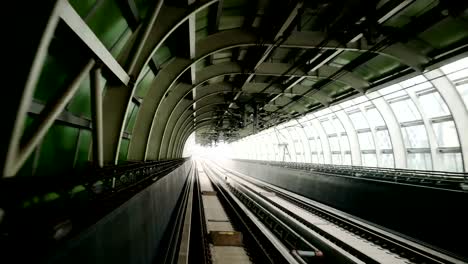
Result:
pixel 359 100
pixel 369 160
pixel 446 134
pixel 383 139
pixel 313 145
pixel 319 144
pixel 359 121
pixel 344 143
pixel 413 81
pixel 365 141
pixel 455 66
pixel 433 105
pixel 386 160
pixel 374 117
pixel 336 159
pixel 347 159
pixel 334 143
pixel 405 111
pixel 315 158
pixel 390 89
pixel 338 126
pixel 419 161
pixel 328 127
pixel 309 130
pixel 463 90
pixel 458 75
pixel 452 162
pixel 321 158
pixel 415 137
pixel 420 87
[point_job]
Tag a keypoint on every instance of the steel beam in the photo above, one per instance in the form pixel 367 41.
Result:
pixel 78 25
pixel 96 98
pixel 46 120
pixel 31 64
pixel 457 108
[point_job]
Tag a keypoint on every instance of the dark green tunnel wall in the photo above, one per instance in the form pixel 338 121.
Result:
pixel 68 145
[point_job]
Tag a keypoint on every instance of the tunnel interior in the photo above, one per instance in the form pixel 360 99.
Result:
pixel 112 97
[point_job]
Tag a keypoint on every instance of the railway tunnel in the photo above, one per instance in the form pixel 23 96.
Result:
pixel 235 131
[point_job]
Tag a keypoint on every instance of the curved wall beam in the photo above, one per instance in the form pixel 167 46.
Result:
pixel 170 103
pixel 184 121
pixel 117 100
pixel 168 129
pixel 236 38
pixel 457 108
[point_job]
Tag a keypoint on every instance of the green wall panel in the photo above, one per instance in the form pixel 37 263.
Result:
pixel 131 118
pixel 52 80
pixel 107 23
pixel 80 104
pixel 84 145
pixel 57 150
pixel 82 7
pixel 123 150
pixel 162 55
pixel 145 83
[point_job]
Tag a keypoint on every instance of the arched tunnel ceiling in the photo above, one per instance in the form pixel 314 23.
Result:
pixel 223 68
pixel 296 57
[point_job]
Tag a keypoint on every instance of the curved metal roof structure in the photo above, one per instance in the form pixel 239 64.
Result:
pixel 130 80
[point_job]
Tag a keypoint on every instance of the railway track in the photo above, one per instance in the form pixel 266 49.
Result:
pixel 341 238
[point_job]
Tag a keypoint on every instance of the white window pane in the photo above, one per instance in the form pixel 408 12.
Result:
pixel 386 160
pixel 419 87
pixel 446 134
pixel 405 111
pixel 452 162
pixel 334 143
pixel 415 137
pixel 455 66
pixel 413 81
pixel 313 145
pixel 344 143
pixel 369 160
pixel 419 161
pixel 338 126
pixel 309 129
pixel 336 159
pixel 383 139
pixel 365 141
pixel 374 117
pixel 359 121
pixel 390 89
pixel 347 159
pixel 328 127
pixel 321 158
pixel 315 158
pixel 433 105
pixel 463 90
pixel 319 144
pixel 458 75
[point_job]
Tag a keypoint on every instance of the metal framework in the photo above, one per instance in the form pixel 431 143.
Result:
pixel 292 68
